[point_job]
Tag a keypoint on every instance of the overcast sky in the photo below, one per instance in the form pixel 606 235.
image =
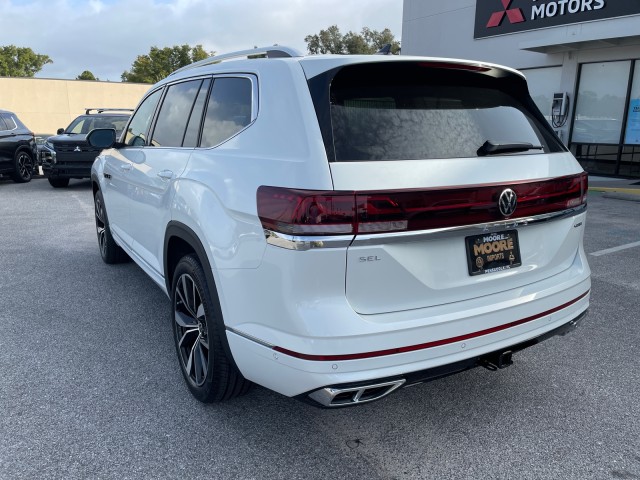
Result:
pixel 106 36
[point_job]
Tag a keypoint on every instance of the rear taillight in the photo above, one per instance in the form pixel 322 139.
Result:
pixel 584 177
pixel 312 213
pixel 304 212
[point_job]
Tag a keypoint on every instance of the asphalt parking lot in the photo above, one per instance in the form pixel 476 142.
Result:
pixel 90 386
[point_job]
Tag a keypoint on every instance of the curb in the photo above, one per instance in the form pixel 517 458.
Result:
pixel 628 191
pixel 622 196
pixel 628 194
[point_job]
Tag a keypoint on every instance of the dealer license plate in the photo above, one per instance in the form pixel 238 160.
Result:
pixel 493 252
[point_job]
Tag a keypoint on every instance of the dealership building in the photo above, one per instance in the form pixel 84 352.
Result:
pixel 581 58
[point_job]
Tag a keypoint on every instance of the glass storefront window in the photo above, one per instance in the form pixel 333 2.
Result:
pixel 600 107
pixel 632 134
pixel 543 82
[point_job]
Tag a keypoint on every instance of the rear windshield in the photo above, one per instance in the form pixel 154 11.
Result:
pixel 410 111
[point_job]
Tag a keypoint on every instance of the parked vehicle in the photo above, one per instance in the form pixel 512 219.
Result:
pixel 67 154
pixel 17 148
pixel 41 139
pixel 337 227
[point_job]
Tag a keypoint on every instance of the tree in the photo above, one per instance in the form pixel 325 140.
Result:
pixel 327 41
pixel 160 62
pixel 21 61
pixel 366 42
pixel 86 75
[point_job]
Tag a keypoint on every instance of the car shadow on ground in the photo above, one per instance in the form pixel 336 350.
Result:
pixel 82 184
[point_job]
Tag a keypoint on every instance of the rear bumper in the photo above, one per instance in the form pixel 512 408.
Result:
pixel 478 332
pixel 345 395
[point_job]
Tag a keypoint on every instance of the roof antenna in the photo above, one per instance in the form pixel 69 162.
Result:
pixel 385 50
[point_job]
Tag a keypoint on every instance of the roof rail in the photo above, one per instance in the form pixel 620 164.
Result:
pixel 275 51
pixel 87 111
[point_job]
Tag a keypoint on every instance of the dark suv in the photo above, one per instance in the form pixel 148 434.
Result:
pixel 68 155
pixel 17 148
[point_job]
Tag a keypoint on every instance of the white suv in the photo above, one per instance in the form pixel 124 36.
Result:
pixel 336 227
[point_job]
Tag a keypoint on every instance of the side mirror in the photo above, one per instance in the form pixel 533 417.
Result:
pixel 102 137
pixel 60 131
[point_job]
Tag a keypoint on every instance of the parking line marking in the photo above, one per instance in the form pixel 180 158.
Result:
pixel 615 249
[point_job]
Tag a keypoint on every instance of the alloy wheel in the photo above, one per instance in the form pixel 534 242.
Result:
pixel 191 330
pixel 101 226
pixel 24 166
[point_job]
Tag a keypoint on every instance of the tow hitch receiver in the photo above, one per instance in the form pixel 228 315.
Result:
pixel 497 361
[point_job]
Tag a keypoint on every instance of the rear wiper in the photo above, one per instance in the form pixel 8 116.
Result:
pixel 493 148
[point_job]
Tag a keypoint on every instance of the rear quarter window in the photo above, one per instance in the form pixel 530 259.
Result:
pixel 228 110
pixel 9 123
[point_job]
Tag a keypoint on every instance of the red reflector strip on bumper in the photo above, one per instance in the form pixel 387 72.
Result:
pixel 424 346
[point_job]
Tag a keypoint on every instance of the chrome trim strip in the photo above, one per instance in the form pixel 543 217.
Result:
pixel 249 337
pixel 291 242
pixel 417 236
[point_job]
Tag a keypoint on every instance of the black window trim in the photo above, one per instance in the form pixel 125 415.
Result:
pixel 252 77
pixel 163 97
pixel 204 108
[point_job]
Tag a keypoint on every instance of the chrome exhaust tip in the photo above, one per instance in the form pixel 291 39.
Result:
pixel 344 397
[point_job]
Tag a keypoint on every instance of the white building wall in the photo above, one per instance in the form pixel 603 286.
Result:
pixel 44 105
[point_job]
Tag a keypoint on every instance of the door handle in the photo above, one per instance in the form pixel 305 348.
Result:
pixel 125 167
pixel 165 174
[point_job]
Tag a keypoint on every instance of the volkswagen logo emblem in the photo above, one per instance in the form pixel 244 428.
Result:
pixel 508 202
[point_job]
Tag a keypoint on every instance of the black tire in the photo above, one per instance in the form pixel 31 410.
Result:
pixel 23 164
pixel 59 182
pixel 109 249
pixel 200 338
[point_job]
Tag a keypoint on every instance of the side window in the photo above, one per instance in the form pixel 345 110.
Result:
pixel 8 121
pixel 139 125
pixel 174 114
pixel 193 128
pixel 3 125
pixel 228 111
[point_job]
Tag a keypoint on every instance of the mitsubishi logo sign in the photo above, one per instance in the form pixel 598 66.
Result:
pixel 513 14
pixel 500 17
